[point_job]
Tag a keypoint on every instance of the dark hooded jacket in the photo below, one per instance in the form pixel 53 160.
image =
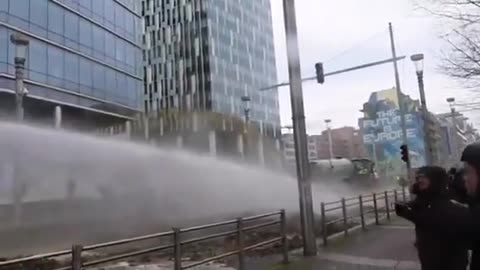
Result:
pixel 437 220
pixel 456 186
pixel 471 155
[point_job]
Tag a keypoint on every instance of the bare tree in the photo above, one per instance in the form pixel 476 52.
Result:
pixel 462 19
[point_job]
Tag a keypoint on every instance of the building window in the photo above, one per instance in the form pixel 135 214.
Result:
pixel 37 60
pixel 55 66
pixel 85 37
pixel 56 16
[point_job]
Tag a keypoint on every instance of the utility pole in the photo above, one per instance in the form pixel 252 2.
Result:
pixel 299 131
pixel 401 104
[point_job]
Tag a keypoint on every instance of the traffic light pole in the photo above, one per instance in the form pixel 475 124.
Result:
pixel 336 72
pixel 401 103
pixel 299 131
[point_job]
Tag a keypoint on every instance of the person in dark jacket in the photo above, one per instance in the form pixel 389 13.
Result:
pixel 471 160
pixel 437 221
pixel 456 186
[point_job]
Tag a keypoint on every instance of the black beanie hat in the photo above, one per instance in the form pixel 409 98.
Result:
pixel 438 177
pixel 471 155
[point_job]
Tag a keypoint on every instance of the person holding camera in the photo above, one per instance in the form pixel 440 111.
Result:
pixel 440 223
pixel 471 173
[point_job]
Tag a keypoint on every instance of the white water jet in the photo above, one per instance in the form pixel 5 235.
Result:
pixel 184 186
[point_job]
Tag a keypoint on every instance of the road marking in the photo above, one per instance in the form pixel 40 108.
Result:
pixel 366 261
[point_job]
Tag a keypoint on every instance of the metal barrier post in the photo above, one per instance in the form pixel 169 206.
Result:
pixel 240 244
pixel 324 224
pixel 177 252
pixel 344 212
pixel 387 207
pixel 375 208
pixel 283 231
pixel 77 257
pixel 404 195
pixel 395 196
pixel 362 215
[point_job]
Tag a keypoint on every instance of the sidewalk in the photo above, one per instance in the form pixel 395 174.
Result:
pixel 388 246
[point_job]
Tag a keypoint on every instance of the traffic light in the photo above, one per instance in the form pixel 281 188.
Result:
pixel 404 152
pixel 319 73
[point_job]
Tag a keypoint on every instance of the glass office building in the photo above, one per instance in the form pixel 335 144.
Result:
pixel 84 55
pixel 208 54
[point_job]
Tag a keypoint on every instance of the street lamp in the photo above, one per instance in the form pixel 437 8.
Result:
pixel 246 110
pixel 451 103
pixel 21 45
pixel 330 143
pixel 417 59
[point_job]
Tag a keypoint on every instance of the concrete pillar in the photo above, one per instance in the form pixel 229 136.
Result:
pixel 58 117
pixel 146 128
pixel 261 154
pixel 128 129
pixel 195 122
pixel 240 145
pixel 224 125
pixel 161 126
pixel 110 131
pixel 277 145
pixel 179 141
pixel 212 143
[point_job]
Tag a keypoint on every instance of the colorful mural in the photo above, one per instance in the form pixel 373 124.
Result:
pixel 382 133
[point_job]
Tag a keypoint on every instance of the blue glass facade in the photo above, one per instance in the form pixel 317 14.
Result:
pixel 207 54
pixel 82 52
pixel 242 58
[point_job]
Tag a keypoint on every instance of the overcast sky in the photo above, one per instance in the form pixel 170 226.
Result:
pixel 345 33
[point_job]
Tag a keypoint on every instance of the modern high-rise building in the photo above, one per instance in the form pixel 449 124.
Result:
pixel 205 55
pixel 84 55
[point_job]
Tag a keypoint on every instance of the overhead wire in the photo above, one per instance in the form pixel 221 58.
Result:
pixel 356 45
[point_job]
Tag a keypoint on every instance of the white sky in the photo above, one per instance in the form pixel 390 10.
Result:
pixel 345 33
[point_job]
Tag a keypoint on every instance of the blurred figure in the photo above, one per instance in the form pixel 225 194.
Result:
pixel 437 220
pixel 471 159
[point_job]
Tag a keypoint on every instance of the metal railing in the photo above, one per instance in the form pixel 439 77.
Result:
pixel 364 205
pixel 178 243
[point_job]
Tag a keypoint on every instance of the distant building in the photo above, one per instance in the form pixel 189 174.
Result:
pixel 346 143
pixel 289 148
pixel 455 135
pixel 382 134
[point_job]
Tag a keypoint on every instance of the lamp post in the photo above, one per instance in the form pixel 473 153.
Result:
pixel 21 44
pixel 330 143
pixel 246 110
pixel 453 144
pixel 417 59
